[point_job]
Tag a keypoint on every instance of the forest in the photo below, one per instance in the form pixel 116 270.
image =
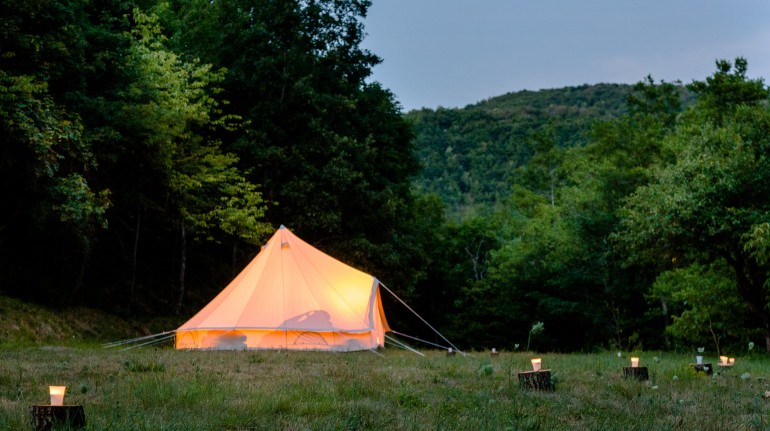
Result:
pixel 148 147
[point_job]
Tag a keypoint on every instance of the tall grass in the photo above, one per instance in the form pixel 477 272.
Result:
pixel 25 324
pixel 163 389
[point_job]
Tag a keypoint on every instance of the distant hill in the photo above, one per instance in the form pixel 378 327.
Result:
pixel 468 154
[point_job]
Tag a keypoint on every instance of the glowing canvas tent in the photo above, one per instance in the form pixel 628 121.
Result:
pixel 291 296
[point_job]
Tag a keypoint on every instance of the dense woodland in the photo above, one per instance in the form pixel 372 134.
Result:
pixel 149 147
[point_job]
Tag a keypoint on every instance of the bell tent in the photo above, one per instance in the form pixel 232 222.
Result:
pixel 291 296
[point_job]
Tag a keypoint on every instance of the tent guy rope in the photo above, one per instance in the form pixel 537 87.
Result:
pixel 402 345
pixel 420 317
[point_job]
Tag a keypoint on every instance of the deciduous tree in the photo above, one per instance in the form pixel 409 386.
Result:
pixel 701 208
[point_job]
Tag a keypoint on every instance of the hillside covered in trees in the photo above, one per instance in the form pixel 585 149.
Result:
pixel 471 156
pixel 149 147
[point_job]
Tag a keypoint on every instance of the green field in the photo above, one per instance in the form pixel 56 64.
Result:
pixel 163 389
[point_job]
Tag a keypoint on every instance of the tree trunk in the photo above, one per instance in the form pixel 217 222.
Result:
pixel 81 273
pixel 134 260
pixel 751 287
pixel 714 336
pixel 552 175
pixel 478 271
pixel 664 312
pixel 767 336
pixel 182 269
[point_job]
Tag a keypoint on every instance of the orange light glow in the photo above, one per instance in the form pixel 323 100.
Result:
pixel 291 296
pixel 57 395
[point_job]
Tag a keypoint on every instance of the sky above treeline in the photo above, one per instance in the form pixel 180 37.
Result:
pixel 453 53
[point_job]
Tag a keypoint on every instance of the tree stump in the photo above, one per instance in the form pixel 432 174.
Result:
pixel 639 373
pixel 49 418
pixel 703 368
pixel 537 380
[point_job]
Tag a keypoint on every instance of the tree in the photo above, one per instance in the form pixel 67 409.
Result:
pixel 330 149
pixel 704 304
pixel 700 208
pixel 203 191
pixel 543 173
pixel 728 89
pixel 757 243
pixel 47 182
pixel 622 155
pixel 108 138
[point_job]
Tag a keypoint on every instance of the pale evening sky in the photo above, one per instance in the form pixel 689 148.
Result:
pixel 453 53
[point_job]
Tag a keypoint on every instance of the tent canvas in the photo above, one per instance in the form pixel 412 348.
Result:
pixel 291 296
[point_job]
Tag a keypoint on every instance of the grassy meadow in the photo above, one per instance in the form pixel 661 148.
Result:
pixel 153 388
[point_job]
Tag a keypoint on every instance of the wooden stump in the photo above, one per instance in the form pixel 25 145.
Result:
pixel 48 418
pixel 537 380
pixel 703 368
pixel 639 373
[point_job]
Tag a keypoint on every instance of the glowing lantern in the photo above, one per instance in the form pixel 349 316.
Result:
pixel 723 359
pixel 57 395
pixel 634 362
pixel 536 364
pixel 732 361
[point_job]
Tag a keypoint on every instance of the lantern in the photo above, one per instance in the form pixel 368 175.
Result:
pixel 57 395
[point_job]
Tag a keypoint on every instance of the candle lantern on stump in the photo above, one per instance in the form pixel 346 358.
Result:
pixel 537 379
pixel 635 371
pixel 725 362
pixel 57 415
pixel 57 395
